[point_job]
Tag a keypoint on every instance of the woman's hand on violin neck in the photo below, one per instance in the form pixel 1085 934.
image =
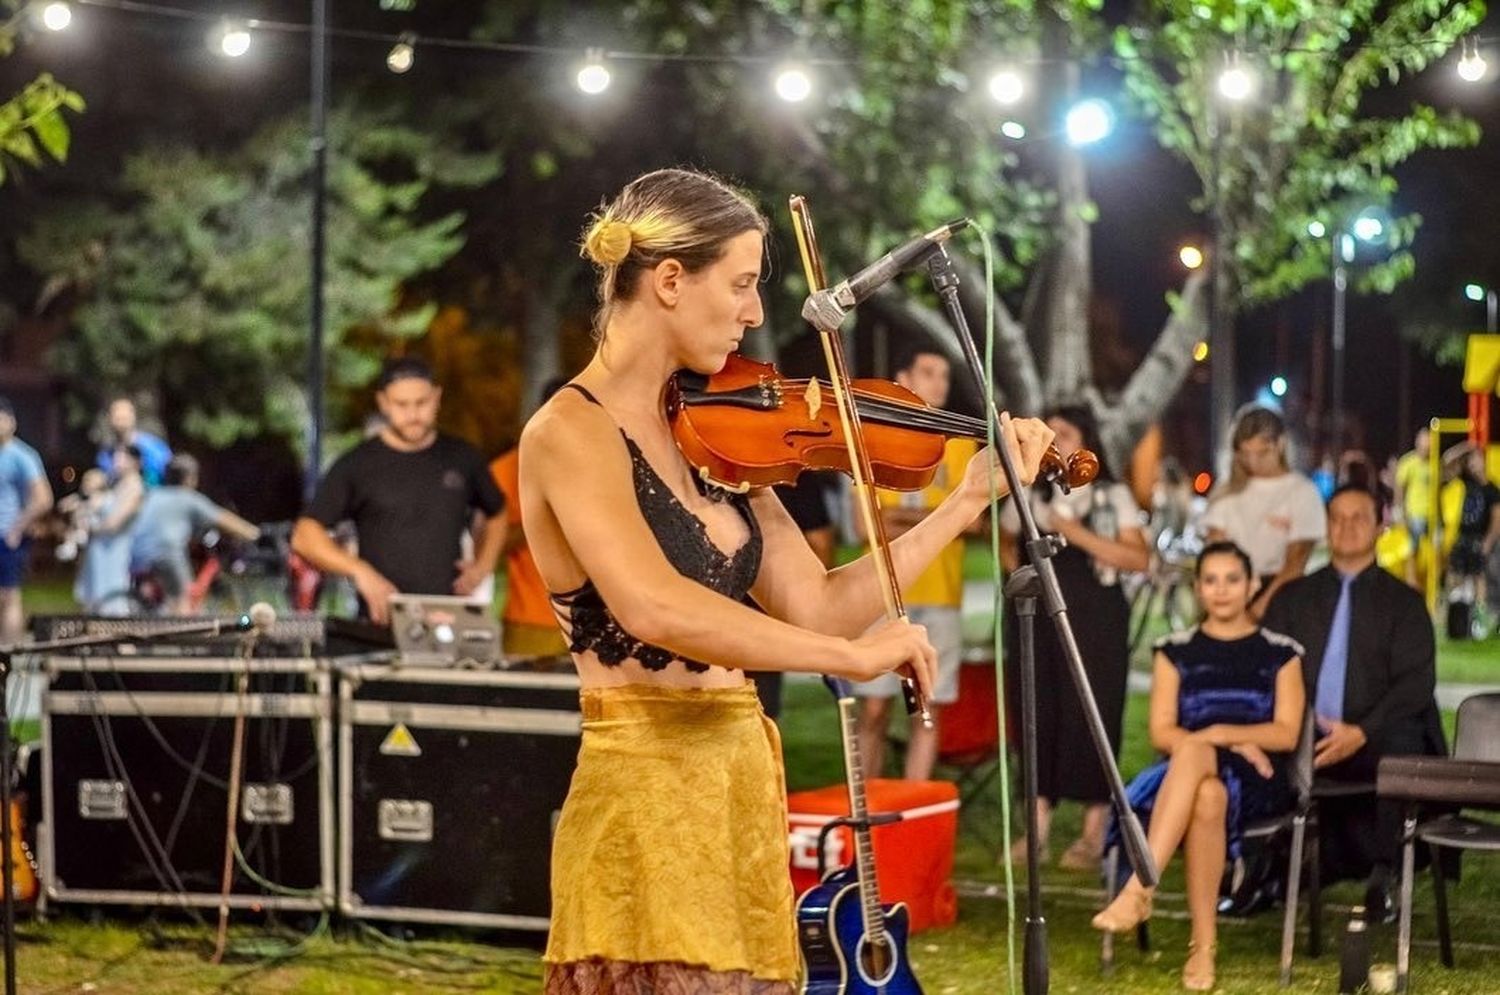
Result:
pixel 891 646
pixel 1027 439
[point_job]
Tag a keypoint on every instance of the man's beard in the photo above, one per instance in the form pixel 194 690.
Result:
pixel 412 433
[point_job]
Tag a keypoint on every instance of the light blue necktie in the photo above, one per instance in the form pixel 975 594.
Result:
pixel 1330 698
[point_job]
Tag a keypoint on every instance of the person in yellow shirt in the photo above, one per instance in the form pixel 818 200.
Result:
pixel 934 599
pixel 1414 497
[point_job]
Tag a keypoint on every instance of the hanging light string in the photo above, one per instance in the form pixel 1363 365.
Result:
pixel 1471 44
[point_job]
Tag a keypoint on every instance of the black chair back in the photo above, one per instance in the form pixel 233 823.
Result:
pixel 1302 759
pixel 1477 732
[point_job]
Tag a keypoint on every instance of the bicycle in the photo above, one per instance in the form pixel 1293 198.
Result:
pixel 231 576
pixel 1167 587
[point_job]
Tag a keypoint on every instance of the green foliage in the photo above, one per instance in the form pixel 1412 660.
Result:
pixel 193 274
pixel 32 124
pixel 1306 146
pixel 904 134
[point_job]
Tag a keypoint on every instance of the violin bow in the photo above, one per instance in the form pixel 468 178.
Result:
pixel 859 457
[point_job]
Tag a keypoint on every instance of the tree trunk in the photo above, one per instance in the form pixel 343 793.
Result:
pixel 541 336
pixel 1158 378
pixel 1065 315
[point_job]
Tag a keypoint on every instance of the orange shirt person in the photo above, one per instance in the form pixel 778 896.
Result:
pixel 530 626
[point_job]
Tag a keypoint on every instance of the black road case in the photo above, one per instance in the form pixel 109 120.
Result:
pixel 450 782
pixel 135 774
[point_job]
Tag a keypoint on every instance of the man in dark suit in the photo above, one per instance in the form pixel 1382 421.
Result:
pixel 1370 672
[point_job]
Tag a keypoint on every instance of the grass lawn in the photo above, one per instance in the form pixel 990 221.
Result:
pixel 132 955
pixel 122 954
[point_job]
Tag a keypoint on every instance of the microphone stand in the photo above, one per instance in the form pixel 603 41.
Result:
pixel 7 656
pixel 1038 580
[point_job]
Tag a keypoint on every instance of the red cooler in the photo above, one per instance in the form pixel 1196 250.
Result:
pixel 913 857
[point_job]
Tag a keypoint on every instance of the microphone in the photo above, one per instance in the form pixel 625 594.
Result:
pixel 259 620
pixel 262 617
pixel 828 308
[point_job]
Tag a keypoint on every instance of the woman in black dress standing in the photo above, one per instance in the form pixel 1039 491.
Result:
pixel 1101 523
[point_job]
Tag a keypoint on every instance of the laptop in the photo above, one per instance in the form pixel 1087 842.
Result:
pixel 435 630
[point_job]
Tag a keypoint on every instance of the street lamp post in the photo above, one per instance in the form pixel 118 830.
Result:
pixel 1366 226
pixel 1476 293
pixel 1340 287
pixel 1235 84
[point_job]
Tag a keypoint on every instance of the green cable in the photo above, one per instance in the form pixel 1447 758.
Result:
pixel 271 886
pixel 269 952
pixel 998 607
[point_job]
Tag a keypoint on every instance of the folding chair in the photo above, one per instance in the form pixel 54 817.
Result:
pixel 969 739
pixel 1294 822
pixel 1471 779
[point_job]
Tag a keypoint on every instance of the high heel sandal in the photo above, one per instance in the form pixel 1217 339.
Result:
pixel 1199 980
pixel 1130 908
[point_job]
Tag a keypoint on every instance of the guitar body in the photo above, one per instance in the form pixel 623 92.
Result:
pixel 839 961
pixel 24 884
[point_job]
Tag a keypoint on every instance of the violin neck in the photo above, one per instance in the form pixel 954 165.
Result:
pixel 879 411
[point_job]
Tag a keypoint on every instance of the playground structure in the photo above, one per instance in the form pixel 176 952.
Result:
pixel 1481 382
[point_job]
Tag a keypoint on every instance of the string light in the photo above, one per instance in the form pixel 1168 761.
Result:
pixel 1014 130
pixel 403 54
pixel 1471 65
pixel 147 7
pixel 793 84
pixel 232 39
pixel 1191 256
pixel 1089 121
pixel 1200 351
pixel 1278 386
pixel 1317 229
pixel 1236 82
pixel 57 16
pixel 1368 227
pixel 1007 86
pixel 593 77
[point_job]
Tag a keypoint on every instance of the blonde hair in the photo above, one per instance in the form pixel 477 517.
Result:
pixel 1251 422
pixel 676 214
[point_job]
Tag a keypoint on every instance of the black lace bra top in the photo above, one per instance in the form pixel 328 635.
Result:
pixel 587 620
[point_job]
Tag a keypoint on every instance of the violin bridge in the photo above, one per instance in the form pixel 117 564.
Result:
pixel 814 398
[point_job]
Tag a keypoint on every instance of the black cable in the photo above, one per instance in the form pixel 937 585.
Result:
pixel 154 729
pixel 165 874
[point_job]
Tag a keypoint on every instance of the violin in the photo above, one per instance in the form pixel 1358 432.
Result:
pixel 750 426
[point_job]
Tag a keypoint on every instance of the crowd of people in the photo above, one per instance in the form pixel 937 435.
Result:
pixel 134 515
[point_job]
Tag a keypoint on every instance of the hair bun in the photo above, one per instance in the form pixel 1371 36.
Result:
pixel 608 242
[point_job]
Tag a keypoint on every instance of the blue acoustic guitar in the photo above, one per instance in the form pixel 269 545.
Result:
pixel 851 944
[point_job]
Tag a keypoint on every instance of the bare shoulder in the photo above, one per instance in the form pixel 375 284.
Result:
pixel 566 431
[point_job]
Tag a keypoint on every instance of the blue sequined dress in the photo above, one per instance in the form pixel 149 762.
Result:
pixel 1231 682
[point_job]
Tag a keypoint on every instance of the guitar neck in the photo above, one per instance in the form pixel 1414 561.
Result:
pixel 864 853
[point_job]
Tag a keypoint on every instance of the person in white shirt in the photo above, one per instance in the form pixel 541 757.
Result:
pixel 1273 514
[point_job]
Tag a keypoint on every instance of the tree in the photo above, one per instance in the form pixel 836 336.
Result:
pixel 190 278
pixel 902 138
pixel 32 124
pixel 1312 145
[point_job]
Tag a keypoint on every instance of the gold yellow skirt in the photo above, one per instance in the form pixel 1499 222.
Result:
pixel 670 858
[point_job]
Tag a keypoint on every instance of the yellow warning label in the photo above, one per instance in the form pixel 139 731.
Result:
pixel 399 742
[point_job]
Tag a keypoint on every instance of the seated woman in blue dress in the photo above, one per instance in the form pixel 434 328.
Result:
pixel 1226 708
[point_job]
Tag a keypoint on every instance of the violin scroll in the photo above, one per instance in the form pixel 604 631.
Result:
pixel 1081 467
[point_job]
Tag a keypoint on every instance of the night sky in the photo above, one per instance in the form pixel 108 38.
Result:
pixel 144 75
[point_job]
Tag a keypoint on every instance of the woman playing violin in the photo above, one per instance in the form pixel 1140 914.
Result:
pixel 669 862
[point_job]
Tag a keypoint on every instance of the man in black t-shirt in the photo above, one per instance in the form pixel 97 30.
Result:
pixel 411 494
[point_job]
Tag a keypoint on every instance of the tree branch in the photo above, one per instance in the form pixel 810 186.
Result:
pixel 1159 375
pixel 1015 366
